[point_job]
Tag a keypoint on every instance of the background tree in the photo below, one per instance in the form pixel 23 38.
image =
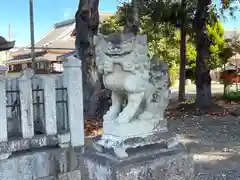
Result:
pixel 199 14
pixel 163 37
pixel 217 43
pixel 181 16
pixel 215 33
pixel 182 77
pixel 205 14
pixel 87 22
pixel 203 30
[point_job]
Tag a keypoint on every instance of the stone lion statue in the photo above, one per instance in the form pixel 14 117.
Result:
pixel 126 69
pixel 140 91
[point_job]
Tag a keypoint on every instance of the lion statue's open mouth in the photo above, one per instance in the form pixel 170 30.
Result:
pixel 117 53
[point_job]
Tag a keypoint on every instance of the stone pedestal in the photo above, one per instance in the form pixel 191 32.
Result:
pixel 121 144
pixel 150 164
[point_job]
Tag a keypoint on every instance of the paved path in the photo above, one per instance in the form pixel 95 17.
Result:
pixel 214 142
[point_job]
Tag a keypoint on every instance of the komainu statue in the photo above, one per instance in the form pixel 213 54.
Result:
pixel 140 93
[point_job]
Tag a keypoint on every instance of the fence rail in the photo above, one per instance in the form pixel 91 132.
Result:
pixel 62 109
pixel 13 113
pixel 36 112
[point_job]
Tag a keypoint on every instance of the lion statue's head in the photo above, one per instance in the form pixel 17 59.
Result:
pixel 121 46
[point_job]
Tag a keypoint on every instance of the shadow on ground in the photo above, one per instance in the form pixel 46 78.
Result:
pixel 214 143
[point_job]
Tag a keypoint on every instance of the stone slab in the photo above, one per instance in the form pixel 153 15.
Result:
pixel 73 175
pixel 165 140
pixel 45 164
pixel 47 178
pixel 32 143
pixel 151 165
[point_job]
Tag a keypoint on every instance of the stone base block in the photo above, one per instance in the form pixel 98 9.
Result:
pixel 121 145
pixel 148 165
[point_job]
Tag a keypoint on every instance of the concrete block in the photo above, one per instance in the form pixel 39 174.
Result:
pixel 48 164
pixel 176 164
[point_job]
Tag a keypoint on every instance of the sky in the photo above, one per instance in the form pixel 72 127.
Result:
pixel 46 14
pixel 49 12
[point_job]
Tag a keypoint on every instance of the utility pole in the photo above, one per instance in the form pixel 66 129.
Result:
pixel 9 39
pixel 32 35
pixel 9 32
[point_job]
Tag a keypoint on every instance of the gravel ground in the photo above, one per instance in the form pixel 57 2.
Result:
pixel 214 143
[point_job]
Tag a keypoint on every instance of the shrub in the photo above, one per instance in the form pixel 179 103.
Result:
pixel 232 96
pixel 174 75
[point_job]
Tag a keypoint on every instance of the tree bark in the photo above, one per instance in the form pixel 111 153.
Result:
pixel 87 22
pixel 133 23
pixel 203 78
pixel 182 79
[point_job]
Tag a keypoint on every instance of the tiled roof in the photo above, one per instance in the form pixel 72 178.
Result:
pixel 103 16
pixel 67 43
pixel 49 38
pixel 62 56
pixel 46 57
pixel 228 34
pixel 58 37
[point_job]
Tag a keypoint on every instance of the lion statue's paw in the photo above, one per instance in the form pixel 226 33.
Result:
pixel 123 118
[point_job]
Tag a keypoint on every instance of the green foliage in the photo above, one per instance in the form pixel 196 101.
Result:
pixel 232 96
pixel 216 37
pixel 217 49
pixel 174 75
pixel 161 20
pixel 163 42
pixel 110 25
pixel 225 53
pixel 171 12
pixel 191 55
pixel 163 38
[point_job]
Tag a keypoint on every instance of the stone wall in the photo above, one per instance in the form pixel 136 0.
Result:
pixel 37 107
pixel 75 164
pixel 150 164
pixel 51 164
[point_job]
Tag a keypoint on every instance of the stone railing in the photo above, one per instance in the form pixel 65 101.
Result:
pixel 42 110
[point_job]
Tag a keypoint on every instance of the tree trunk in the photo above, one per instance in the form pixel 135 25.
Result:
pixel 224 81
pixel 87 22
pixel 133 23
pixel 203 78
pixel 182 79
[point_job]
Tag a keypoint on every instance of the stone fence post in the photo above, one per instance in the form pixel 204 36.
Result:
pixel 49 85
pixel 3 110
pixel 26 100
pixel 73 82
